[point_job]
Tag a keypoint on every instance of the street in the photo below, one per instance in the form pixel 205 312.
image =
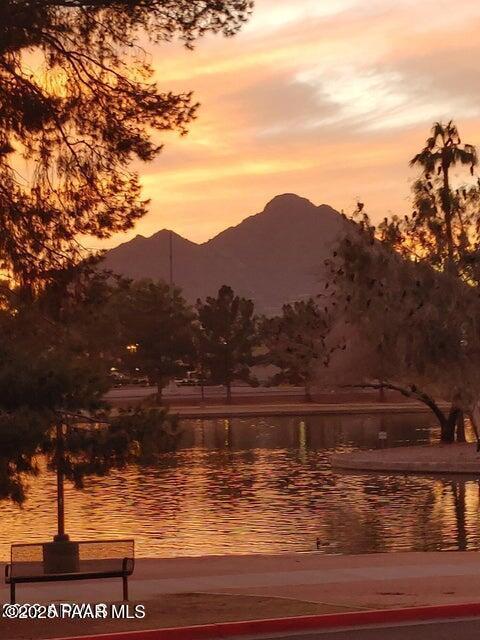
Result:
pixel 448 630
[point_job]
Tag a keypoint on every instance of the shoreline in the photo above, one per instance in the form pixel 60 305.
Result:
pixel 260 402
pixel 273 407
pixel 456 459
pixel 298 409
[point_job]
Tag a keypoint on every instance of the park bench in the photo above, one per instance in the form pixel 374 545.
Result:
pixel 53 561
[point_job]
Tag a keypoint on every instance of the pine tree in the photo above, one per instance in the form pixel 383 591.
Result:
pixel 86 112
pixel 157 328
pixel 228 338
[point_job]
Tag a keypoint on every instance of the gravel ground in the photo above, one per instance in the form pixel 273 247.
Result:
pixel 169 611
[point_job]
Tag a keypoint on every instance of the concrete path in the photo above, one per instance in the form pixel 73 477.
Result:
pixel 295 409
pixel 263 406
pixel 365 581
pixel 292 409
pixel 447 458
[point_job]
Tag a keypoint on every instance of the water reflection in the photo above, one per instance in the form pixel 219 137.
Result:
pixel 263 485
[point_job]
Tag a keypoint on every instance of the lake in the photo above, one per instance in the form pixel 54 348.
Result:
pixel 263 485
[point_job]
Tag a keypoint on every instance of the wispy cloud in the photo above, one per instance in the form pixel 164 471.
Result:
pixel 329 98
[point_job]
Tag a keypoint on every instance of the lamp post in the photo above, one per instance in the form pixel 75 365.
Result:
pixel 61 555
pixel 228 382
pixel 60 456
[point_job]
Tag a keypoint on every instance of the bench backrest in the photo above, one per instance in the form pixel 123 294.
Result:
pixel 83 556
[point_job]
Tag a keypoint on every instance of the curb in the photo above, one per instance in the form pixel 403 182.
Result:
pixel 316 409
pixel 302 623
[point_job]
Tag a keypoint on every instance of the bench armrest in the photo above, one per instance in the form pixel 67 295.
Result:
pixel 128 565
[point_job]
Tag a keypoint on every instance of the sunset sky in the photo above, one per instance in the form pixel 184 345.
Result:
pixel 325 98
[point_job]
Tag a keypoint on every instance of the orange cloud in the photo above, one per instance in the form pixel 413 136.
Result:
pixel 326 98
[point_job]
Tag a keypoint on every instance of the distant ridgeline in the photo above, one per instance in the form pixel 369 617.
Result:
pixel 272 257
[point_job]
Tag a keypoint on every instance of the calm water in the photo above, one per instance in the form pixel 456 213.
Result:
pixel 263 485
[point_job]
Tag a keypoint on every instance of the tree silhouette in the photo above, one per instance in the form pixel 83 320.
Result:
pixel 157 325
pixel 414 327
pixel 228 336
pixel 442 153
pixel 55 356
pixel 420 324
pixel 297 343
pixel 78 102
pixel 410 286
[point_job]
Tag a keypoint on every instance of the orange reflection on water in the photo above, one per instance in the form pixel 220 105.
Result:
pixel 262 485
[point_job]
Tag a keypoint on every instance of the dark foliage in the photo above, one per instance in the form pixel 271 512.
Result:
pixel 157 331
pixel 228 337
pixel 78 102
pixel 55 355
pixel 409 286
pixel 297 342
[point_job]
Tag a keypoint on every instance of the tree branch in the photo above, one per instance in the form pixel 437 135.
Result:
pixel 408 392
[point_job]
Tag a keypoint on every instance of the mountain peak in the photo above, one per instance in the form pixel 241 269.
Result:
pixel 273 257
pixel 287 200
pixel 164 233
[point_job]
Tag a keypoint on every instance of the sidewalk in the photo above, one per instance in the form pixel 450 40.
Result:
pixel 363 581
pixel 222 588
pixel 267 403
pixel 296 409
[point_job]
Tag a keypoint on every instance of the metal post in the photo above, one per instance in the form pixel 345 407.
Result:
pixel 202 379
pixel 171 261
pixel 60 450
pixel 382 437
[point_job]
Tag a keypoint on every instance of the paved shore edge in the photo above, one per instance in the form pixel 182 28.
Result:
pixel 457 458
pixel 302 409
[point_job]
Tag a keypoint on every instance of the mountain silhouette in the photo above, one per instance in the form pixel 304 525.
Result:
pixel 273 257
